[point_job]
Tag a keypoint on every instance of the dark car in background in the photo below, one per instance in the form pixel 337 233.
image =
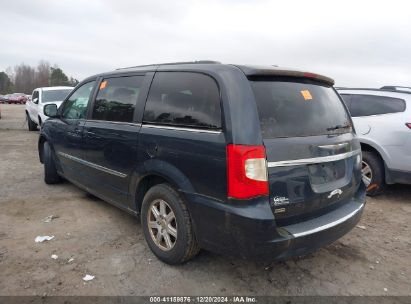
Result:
pixel 240 160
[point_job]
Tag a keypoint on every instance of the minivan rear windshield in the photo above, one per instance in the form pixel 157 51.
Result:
pixel 293 107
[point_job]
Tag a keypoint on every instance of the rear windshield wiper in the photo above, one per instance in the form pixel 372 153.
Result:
pixel 338 127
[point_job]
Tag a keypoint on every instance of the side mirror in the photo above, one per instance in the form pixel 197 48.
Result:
pixel 50 110
pixel 36 100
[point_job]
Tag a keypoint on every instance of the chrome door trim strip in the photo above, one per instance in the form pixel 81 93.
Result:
pixel 95 166
pixel 115 122
pixel 181 129
pixel 329 225
pixel 314 160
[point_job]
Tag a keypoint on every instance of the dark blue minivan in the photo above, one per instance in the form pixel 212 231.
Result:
pixel 241 160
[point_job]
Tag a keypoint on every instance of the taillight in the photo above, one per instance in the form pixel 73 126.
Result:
pixel 408 124
pixel 246 171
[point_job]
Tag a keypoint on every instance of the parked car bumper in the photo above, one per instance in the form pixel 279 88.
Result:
pixel 42 116
pixel 397 176
pixel 250 231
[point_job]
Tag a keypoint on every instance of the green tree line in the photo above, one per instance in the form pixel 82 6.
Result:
pixel 24 78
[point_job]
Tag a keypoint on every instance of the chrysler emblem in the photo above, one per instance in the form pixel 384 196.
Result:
pixel 334 192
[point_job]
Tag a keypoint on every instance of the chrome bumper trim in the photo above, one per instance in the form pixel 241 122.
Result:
pixel 315 160
pixel 329 225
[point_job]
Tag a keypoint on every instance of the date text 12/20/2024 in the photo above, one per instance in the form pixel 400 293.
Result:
pixel 203 299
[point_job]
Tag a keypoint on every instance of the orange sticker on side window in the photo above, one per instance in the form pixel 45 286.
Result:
pixel 103 84
pixel 306 94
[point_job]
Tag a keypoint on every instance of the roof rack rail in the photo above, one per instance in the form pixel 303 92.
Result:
pixel 348 88
pixel 172 63
pixel 396 88
pixel 384 88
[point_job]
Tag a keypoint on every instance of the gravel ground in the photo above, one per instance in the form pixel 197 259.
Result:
pixel 373 259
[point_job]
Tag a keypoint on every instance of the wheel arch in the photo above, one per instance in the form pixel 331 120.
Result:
pixel 367 147
pixel 155 172
pixel 42 140
pixel 372 148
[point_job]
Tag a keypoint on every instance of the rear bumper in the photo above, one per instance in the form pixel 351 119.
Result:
pixel 250 230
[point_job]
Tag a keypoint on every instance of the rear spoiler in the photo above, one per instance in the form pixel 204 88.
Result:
pixel 273 71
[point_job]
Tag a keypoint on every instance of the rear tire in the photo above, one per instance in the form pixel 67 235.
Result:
pixel 31 124
pixel 50 173
pixel 373 169
pixel 181 245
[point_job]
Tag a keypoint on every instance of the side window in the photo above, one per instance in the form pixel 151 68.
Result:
pixel 183 99
pixel 347 99
pixel 117 98
pixel 366 105
pixel 76 106
pixel 35 95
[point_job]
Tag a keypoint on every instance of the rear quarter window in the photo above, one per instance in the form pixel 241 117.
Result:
pixel 366 105
pixel 347 99
pixel 183 99
pixel 298 107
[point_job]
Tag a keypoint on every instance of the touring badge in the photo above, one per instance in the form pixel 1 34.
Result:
pixel 281 200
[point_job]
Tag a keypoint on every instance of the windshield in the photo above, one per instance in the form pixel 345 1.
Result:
pixel 55 95
pixel 302 107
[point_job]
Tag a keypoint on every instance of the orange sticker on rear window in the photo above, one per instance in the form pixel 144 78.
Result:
pixel 306 94
pixel 103 84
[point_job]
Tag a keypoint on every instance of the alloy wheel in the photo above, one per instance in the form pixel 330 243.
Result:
pixel 162 224
pixel 366 173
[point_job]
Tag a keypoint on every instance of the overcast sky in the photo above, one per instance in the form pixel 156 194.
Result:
pixel 358 43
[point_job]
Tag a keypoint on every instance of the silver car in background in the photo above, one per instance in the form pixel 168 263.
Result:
pixel 382 120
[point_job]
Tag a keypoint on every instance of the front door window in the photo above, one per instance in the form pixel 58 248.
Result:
pixel 76 106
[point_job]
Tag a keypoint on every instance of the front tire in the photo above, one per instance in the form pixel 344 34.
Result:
pixel 31 124
pixel 167 225
pixel 50 172
pixel 373 173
